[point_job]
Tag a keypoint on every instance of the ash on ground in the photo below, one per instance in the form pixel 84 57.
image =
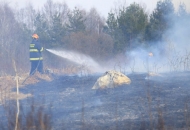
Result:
pixel 153 103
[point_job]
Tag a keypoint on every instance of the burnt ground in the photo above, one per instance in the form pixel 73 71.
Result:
pixel 155 103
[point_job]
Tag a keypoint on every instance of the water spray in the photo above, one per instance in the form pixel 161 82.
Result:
pixel 75 57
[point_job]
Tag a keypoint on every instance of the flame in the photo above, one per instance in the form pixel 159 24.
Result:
pixel 150 54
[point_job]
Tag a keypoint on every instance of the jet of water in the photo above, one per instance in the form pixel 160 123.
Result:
pixel 76 57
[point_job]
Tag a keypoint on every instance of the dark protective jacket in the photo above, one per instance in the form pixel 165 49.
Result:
pixel 35 50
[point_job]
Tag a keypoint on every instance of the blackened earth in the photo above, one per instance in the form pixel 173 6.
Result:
pixel 158 102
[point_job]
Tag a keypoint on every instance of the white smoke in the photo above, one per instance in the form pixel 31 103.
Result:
pixel 173 54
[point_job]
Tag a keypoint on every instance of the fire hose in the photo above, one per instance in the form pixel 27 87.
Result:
pixel 32 72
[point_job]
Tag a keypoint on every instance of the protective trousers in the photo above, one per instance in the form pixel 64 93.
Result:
pixel 36 65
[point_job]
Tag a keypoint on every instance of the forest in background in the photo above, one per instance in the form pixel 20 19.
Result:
pixel 126 28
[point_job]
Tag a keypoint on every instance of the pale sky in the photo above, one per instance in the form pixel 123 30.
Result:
pixel 102 6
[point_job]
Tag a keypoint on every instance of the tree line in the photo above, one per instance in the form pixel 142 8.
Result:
pixel 125 29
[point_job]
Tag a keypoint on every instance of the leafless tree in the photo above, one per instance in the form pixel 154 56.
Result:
pixel 94 23
pixel 26 16
pixel 54 9
pixel 9 38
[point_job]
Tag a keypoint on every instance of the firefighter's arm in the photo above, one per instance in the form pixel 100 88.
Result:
pixel 39 47
pixel 42 49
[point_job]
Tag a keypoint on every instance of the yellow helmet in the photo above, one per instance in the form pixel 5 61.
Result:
pixel 35 36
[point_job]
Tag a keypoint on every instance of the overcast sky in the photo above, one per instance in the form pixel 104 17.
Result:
pixel 102 6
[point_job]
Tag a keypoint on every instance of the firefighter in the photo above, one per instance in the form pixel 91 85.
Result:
pixel 36 58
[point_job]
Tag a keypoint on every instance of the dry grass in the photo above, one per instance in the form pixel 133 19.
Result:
pixel 36 118
pixel 7 83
